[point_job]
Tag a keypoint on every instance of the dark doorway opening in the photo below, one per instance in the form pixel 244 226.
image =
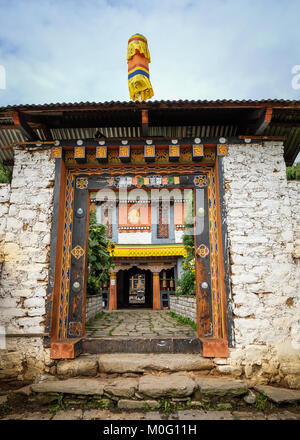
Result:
pixel 135 288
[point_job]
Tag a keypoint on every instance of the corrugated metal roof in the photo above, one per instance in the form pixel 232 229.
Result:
pixel 181 118
pixel 150 103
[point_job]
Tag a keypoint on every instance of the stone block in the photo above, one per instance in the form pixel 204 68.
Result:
pixel 137 404
pixel 71 386
pixel 83 366
pixel 173 385
pixel 122 387
pixel 279 395
pixel 34 302
pixel 221 387
pixel 139 363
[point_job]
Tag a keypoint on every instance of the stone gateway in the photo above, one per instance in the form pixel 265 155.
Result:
pixel 218 161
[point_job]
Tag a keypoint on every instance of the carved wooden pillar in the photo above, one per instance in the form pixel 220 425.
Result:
pixel 156 291
pixel 113 291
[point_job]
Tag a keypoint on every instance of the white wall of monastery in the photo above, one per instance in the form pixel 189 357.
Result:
pixel 264 275
pixel 26 247
pixel 135 238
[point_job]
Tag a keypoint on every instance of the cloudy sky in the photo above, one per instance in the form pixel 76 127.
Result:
pixel 75 50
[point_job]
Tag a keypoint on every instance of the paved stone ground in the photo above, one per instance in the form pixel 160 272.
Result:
pixel 103 414
pixel 146 323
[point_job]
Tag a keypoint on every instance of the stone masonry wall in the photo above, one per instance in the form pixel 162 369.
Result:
pixel 93 306
pixel 4 207
pixel 184 306
pixel 264 276
pixel 294 195
pixel 24 277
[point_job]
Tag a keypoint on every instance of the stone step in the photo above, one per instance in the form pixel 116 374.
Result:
pixel 90 365
pixel 279 395
pixel 175 385
pixel 92 345
pixel 141 363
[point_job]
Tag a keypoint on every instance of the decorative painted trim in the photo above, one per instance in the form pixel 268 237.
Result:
pixel 139 171
pixel 198 151
pixel 202 251
pixel 56 152
pixel 174 152
pixel 200 181
pixel 149 152
pixel 222 150
pixel 101 152
pixel 149 251
pixel 82 182
pixel 79 152
pixel 77 252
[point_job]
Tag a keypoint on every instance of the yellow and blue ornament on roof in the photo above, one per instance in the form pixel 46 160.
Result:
pixel 138 58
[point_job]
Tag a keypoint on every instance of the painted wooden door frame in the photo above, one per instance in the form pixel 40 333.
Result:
pixel 66 304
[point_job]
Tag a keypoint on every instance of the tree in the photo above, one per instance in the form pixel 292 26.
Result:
pixel 100 260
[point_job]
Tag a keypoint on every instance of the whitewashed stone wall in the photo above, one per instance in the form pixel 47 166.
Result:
pixel 184 306
pixel 134 238
pixel 294 195
pixel 178 236
pixel 93 306
pixel 24 277
pixel 4 207
pixel 264 276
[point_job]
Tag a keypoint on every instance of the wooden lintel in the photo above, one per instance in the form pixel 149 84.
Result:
pixel 21 124
pixel 263 121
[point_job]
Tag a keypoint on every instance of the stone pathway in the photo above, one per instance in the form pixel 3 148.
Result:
pixel 145 323
pixel 104 414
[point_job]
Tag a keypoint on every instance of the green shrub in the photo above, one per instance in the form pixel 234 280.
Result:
pixel 100 260
pixel 186 285
pixel 293 172
pixel 5 175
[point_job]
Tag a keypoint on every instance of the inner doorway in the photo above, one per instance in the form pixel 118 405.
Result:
pixel 135 288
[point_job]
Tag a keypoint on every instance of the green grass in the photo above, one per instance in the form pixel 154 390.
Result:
pixel 183 320
pixel 261 401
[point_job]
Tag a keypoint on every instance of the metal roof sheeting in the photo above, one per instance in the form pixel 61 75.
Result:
pixel 189 118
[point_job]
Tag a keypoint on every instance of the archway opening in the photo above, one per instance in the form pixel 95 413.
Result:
pixel 134 288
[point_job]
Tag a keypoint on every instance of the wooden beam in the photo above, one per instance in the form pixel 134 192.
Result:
pixel 145 121
pixel 263 121
pixel 25 129
pixel 290 124
pixel 47 132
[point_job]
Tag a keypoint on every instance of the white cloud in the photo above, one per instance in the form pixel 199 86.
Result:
pixel 75 50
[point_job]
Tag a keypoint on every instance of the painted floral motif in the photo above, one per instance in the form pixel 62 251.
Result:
pixel 101 152
pixel 77 252
pixel 222 149
pixel 57 152
pixel 81 182
pixel 201 180
pixel 79 152
pixel 202 251
pixel 174 150
pixel 198 150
